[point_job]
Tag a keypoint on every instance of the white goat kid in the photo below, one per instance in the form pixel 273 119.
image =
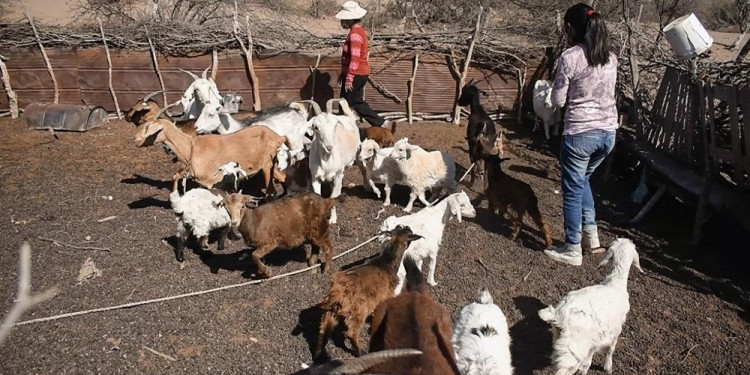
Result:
pixel 202 93
pixel 481 339
pixel 590 320
pixel 429 223
pixel 422 170
pixel 199 214
pixel 334 148
pixel 379 167
pixel 543 108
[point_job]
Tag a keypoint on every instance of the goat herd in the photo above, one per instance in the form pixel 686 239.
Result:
pixel 410 331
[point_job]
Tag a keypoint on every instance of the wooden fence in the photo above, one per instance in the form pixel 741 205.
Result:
pixel 82 75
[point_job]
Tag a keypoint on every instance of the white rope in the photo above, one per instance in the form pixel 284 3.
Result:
pixel 467 172
pixel 141 303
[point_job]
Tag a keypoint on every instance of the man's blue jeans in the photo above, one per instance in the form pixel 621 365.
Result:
pixel 579 156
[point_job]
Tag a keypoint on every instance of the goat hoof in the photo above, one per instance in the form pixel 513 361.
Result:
pixel 432 283
pixel 264 274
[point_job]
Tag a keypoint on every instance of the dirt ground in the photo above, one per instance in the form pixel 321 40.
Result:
pixel 688 314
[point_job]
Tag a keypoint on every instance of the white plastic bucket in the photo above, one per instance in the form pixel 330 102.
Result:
pixel 687 36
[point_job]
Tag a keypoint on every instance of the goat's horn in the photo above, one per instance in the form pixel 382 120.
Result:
pixel 312 103
pixel 205 71
pixel 151 95
pixel 471 81
pixel 357 365
pixel 161 111
pixel 345 107
pixel 195 77
pixel 329 105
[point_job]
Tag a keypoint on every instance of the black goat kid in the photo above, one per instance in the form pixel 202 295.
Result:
pixel 480 133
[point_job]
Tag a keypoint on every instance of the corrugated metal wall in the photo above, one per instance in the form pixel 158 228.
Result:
pixel 82 78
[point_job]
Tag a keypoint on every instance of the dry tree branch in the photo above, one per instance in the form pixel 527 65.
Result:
pixel 24 301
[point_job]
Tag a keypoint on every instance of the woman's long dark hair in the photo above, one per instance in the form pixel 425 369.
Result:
pixel 589 28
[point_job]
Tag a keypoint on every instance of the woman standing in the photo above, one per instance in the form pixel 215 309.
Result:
pixel 354 66
pixel 586 77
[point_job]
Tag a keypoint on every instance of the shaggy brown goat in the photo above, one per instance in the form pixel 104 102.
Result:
pixel 287 223
pixel 355 292
pixel 383 136
pixel 413 319
pixel 507 194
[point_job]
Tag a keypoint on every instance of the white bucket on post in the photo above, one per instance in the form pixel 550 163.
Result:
pixel 687 37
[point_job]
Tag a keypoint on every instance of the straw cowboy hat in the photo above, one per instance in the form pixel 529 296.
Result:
pixel 351 11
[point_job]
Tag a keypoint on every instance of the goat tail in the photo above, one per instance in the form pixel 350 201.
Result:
pixel 548 314
pixel 174 200
pixel 541 223
pixel 414 279
pixel 327 324
pixel 393 127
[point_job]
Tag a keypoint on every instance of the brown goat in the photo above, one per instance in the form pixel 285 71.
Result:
pixel 355 292
pixel 383 136
pixel 254 148
pixel 413 319
pixel 287 223
pixel 512 196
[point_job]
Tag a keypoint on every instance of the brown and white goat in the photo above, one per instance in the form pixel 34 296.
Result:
pixel 413 319
pixel 382 136
pixel 515 197
pixel 355 292
pixel 286 223
pixel 254 148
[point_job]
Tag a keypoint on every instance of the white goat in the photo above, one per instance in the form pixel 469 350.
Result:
pixel 543 107
pixel 284 120
pixel 202 93
pixel 199 214
pixel 481 339
pixel 590 320
pixel 422 170
pixel 379 167
pixel 334 148
pixel 429 223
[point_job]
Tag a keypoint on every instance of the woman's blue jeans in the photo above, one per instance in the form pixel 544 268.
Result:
pixel 579 156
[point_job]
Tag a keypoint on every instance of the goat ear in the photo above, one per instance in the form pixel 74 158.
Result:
pixel 455 208
pixel 413 237
pixel 606 259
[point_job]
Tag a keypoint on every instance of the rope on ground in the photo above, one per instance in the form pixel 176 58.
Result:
pixel 169 298
pixel 467 172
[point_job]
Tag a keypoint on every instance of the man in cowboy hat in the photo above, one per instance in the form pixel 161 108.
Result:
pixel 354 66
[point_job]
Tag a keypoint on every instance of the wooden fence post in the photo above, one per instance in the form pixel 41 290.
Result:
pixel 314 72
pixel 12 97
pixel 462 79
pixel 44 53
pixel 410 88
pixel 109 66
pixel 155 60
